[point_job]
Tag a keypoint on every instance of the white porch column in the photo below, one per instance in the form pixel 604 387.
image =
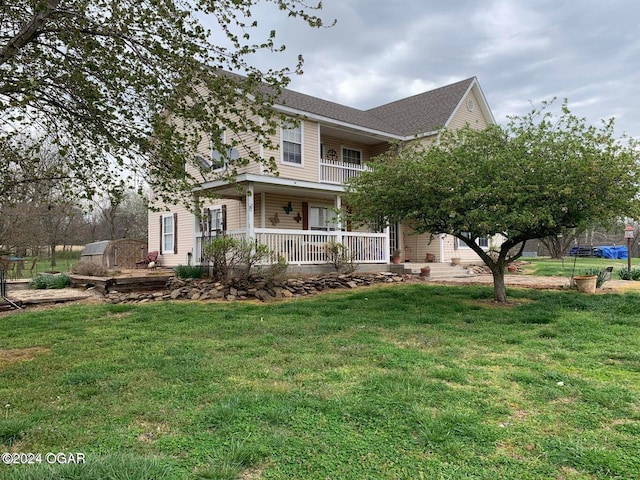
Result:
pixel 338 207
pixel 387 244
pixel 250 208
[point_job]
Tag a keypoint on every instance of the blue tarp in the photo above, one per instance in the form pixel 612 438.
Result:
pixel 611 252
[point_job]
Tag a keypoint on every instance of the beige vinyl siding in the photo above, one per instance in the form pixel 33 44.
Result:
pixel 379 149
pixel 274 205
pixel 235 212
pixel 184 241
pixel 475 118
pixel 428 141
pixel 308 170
pixel 338 144
pixel 415 247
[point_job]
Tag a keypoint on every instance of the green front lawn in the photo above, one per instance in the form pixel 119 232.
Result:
pixel 412 381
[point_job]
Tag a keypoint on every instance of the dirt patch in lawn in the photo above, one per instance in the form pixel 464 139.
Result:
pixel 20 354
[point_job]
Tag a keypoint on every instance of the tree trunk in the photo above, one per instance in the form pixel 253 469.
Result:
pixel 499 288
pixel 53 255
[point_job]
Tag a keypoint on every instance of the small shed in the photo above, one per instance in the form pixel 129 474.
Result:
pixel 122 253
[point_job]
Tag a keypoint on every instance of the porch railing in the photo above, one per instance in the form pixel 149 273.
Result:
pixel 337 172
pixel 307 247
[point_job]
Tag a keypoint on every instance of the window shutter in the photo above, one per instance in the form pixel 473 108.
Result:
pixel 175 233
pixel 224 219
pixel 305 215
pixel 160 249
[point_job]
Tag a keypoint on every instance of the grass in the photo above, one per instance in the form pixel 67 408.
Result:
pixel 569 266
pixel 412 381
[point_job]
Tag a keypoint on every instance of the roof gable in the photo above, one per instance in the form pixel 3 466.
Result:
pixel 425 112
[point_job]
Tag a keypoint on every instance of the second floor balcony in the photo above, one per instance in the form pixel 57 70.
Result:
pixel 338 172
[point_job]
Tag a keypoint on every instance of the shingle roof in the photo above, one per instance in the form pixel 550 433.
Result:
pixel 425 112
pixel 422 113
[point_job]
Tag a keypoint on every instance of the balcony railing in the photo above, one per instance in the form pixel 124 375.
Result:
pixel 337 172
pixel 307 247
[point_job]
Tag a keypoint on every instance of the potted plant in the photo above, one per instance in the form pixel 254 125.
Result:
pixel 586 283
pixel 396 256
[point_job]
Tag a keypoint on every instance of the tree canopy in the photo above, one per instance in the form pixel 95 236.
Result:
pixel 534 177
pixel 100 79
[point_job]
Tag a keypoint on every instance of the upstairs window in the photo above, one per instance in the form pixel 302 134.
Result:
pixel 292 143
pixel 352 156
pixel 219 159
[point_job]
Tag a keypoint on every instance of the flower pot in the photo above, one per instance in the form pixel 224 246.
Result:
pixel 455 261
pixel 586 283
pixel 430 258
pixel 425 271
pixel 512 269
pixel 396 260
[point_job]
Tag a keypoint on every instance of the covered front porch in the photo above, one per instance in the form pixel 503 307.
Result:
pixel 295 220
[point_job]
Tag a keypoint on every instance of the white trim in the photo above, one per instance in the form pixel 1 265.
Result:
pixel 351 126
pixel 172 234
pixel 460 245
pixel 343 148
pixel 276 181
pixel 319 152
pixel 225 159
pixel 339 225
pixel 484 106
pixel 250 212
pixel 300 124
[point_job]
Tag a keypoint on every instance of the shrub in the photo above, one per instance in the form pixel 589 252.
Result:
pixel 188 271
pixel 624 274
pixel 338 255
pixel 228 254
pixel 60 280
pixel 90 269
pixel 277 271
pixel 220 251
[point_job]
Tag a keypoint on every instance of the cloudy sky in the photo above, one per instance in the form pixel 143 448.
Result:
pixel 522 51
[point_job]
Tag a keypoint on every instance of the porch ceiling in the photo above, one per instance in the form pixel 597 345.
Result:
pixel 353 135
pixel 275 185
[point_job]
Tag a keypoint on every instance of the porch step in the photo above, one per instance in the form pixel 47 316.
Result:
pixel 438 270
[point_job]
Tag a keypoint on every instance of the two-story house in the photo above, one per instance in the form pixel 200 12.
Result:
pixel 294 213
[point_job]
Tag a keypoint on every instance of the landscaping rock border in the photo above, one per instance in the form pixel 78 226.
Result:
pixel 255 288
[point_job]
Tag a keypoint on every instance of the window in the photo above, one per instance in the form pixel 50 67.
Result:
pixel 351 156
pixel 322 218
pixel 482 242
pixel 212 221
pixel 292 143
pixel 168 234
pixel 219 159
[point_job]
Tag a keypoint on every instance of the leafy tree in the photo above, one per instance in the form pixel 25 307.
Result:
pixel 132 87
pixel 533 178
